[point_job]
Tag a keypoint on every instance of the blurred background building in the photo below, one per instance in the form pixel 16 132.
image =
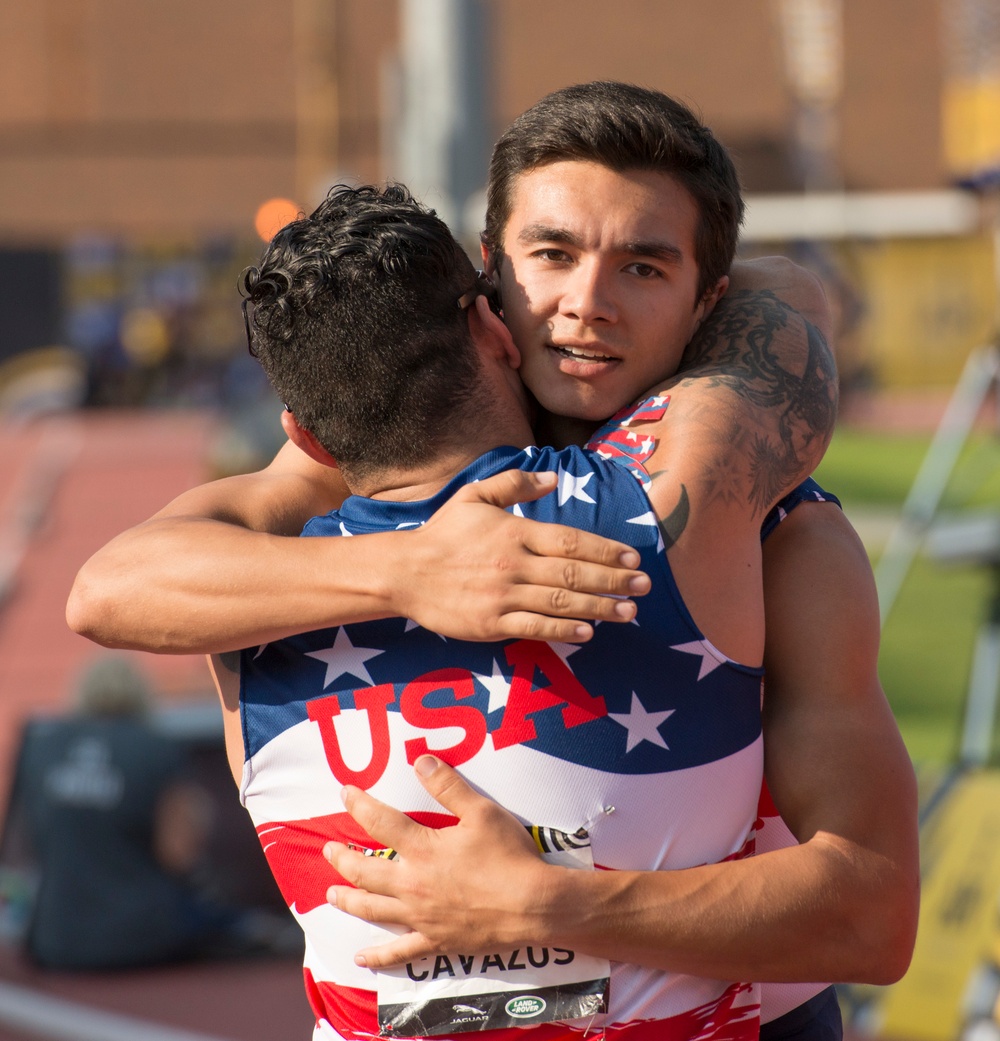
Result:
pixel 139 143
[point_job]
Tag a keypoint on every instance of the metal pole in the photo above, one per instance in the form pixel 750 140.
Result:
pixel 444 133
pixel 984 685
pixel 981 371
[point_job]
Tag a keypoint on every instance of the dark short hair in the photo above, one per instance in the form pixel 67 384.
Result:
pixel 357 324
pixel 623 127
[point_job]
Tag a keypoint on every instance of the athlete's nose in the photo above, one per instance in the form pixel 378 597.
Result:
pixel 588 296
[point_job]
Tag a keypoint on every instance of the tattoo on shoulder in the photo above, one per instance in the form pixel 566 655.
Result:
pixel 769 354
pixel 673 523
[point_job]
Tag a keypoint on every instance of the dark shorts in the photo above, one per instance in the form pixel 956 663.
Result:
pixel 817 1019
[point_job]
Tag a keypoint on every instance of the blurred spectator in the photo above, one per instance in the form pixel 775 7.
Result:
pixel 117 831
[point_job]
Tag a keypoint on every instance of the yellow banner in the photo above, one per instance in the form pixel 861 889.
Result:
pixel 971 126
pixel 957 940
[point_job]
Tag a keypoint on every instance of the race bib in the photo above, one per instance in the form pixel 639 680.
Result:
pixel 454 993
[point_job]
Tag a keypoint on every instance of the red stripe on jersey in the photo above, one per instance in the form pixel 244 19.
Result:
pixel 294 851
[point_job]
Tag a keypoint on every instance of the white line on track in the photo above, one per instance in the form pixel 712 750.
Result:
pixel 59 1020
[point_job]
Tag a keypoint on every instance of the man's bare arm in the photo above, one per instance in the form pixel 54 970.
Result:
pixel 765 344
pixel 841 906
pixel 202 575
pixel 220 569
pixel 835 762
pixel 742 429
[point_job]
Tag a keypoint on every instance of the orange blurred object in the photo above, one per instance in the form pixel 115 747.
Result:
pixel 273 215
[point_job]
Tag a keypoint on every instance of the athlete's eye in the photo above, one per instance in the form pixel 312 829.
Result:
pixel 644 270
pixel 555 255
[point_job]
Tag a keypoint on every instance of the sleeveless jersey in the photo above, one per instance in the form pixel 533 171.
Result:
pixel 647 736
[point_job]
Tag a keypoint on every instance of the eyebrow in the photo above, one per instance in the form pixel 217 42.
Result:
pixel 665 251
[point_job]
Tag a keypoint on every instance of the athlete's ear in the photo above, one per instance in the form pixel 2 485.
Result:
pixel 710 298
pixel 488 331
pixel 305 440
pixel 491 268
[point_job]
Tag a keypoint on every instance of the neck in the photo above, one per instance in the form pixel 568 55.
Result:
pixel 563 431
pixel 412 483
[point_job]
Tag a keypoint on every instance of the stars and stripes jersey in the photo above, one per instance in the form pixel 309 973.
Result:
pixel 647 736
pixel 807 491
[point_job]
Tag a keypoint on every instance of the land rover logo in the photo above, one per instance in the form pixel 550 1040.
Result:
pixel 525 1007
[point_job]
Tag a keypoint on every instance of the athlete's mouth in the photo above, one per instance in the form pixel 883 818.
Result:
pixel 583 354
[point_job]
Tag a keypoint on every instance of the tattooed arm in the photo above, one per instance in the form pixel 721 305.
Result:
pixel 750 416
pixel 766 341
pixel 836 766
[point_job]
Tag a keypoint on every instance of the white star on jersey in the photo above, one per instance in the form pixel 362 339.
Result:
pixel 571 487
pixel 564 650
pixel 343 658
pixel 650 519
pixel 710 658
pixel 642 725
pixel 498 686
pixel 411 625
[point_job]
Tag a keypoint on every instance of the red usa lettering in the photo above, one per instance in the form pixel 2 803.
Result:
pixel 374 701
pixel 527 657
pixel 579 706
pixel 471 720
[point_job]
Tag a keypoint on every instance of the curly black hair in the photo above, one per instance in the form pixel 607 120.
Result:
pixel 355 319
